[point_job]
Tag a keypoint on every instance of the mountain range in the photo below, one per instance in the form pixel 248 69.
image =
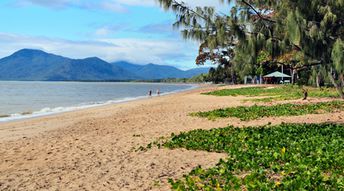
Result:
pixel 30 64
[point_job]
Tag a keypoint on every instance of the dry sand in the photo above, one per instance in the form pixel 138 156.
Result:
pixel 94 149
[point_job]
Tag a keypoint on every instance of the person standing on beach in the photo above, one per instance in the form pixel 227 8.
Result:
pixel 158 92
pixel 150 93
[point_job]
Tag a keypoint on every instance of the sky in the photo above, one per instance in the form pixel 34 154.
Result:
pixel 138 31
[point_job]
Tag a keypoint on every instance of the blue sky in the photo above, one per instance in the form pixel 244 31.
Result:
pixel 138 31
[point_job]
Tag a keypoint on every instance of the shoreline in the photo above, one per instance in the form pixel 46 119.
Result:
pixel 59 110
pixel 96 148
pixel 27 127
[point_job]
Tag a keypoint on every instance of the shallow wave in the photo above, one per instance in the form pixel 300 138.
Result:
pixel 50 111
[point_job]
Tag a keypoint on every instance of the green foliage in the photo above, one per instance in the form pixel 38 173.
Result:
pixel 257 111
pixel 338 56
pixel 298 34
pixel 286 92
pixel 221 75
pixel 198 79
pixel 293 28
pixel 283 157
pixel 247 91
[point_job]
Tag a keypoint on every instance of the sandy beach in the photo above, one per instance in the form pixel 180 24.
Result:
pixel 95 149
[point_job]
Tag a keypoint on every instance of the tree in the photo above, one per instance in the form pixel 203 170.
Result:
pixel 309 32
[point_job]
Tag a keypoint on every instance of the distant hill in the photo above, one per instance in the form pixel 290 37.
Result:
pixel 28 64
pixel 196 71
pixel 154 71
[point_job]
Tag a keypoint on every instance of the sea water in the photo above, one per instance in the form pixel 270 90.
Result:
pixel 20 100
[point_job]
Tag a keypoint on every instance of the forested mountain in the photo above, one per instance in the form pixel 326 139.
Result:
pixel 28 64
pixel 154 71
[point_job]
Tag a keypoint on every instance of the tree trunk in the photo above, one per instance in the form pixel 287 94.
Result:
pixel 293 76
pixel 233 76
pixel 341 77
pixel 254 80
pixel 318 78
pixel 338 86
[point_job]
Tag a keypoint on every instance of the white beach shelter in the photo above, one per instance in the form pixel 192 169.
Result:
pixel 277 75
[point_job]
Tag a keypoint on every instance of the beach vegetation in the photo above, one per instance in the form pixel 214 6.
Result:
pixel 278 93
pixel 260 111
pixel 253 38
pixel 282 157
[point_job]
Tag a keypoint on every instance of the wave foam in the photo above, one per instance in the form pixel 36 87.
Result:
pixel 50 111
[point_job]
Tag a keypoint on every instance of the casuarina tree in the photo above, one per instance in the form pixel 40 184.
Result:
pixel 299 34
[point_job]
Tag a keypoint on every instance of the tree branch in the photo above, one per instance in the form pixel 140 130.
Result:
pixel 257 12
pixel 176 3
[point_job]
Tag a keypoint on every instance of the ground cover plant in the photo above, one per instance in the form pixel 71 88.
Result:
pixel 285 92
pixel 260 111
pixel 282 157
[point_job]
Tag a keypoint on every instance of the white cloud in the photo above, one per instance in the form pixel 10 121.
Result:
pixel 167 51
pixel 103 31
pixel 215 3
pixel 110 5
pixel 51 4
pixel 178 53
pixel 137 2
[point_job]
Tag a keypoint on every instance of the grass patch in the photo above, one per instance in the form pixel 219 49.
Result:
pixel 286 92
pixel 256 111
pixel 283 157
pixel 249 91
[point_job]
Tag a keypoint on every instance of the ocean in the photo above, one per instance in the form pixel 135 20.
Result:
pixel 19 100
